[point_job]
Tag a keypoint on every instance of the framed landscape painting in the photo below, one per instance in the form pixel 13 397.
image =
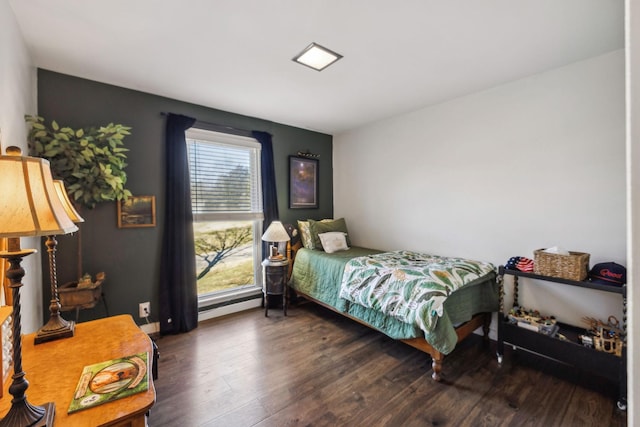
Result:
pixel 303 183
pixel 137 211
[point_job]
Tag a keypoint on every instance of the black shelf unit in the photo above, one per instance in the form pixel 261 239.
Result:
pixel 568 351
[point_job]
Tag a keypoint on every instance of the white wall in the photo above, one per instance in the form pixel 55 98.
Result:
pixel 17 98
pixel 534 163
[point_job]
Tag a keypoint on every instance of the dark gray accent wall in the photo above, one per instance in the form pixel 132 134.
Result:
pixel 130 257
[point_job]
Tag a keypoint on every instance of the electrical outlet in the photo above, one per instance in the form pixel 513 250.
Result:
pixel 144 309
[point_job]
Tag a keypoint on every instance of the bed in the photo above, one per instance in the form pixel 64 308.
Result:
pixel 320 277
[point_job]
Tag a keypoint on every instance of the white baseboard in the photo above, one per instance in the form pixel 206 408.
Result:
pixel 229 309
pixel 151 328
pixel 154 328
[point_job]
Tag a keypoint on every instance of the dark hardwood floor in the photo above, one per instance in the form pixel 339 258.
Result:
pixel 316 368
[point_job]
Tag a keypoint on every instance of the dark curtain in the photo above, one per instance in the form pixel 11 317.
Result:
pixel 269 194
pixel 178 290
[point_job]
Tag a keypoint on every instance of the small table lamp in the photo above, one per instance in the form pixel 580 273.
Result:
pixel 275 233
pixel 57 327
pixel 29 206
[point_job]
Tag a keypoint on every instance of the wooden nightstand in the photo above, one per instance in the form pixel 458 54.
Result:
pixel 274 282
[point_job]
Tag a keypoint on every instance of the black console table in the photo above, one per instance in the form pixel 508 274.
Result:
pixel 568 351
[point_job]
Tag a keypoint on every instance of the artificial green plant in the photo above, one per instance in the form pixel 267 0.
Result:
pixel 90 161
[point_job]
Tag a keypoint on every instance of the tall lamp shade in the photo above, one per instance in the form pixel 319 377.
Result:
pixel 29 206
pixel 57 327
pixel 71 212
pixel 275 233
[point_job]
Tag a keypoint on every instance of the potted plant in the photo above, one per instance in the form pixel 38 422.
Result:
pixel 90 161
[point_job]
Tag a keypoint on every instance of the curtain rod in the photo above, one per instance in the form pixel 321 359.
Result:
pixel 217 127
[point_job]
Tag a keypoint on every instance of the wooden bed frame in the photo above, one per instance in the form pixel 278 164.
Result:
pixel 462 331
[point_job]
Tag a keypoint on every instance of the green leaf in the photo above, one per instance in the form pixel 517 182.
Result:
pixel 91 161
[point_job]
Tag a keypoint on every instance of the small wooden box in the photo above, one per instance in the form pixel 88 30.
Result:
pixel 74 297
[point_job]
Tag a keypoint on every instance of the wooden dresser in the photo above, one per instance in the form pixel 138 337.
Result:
pixel 53 370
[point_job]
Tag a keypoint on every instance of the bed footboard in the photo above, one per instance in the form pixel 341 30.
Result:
pixel 479 320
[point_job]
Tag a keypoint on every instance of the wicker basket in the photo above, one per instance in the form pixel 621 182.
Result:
pixel 574 266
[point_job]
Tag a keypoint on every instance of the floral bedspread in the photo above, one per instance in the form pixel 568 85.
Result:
pixel 409 286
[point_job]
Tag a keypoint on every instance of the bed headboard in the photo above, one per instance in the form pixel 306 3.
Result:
pixel 293 245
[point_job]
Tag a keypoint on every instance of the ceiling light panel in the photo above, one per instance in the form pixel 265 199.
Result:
pixel 317 57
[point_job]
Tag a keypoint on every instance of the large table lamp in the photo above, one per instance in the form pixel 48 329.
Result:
pixel 57 327
pixel 29 206
pixel 275 233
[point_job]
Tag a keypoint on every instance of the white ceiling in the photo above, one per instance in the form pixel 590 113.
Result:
pixel 235 55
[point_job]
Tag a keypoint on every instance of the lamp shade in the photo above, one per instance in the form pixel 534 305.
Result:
pixel 66 203
pixel 29 204
pixel 275 233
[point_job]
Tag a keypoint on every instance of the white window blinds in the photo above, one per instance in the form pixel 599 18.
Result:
pixel 225 176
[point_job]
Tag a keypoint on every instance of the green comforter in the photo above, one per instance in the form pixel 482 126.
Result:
pixel 319 275
pixel 409 286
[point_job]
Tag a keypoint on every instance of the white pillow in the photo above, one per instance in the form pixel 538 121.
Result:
pixel 333 241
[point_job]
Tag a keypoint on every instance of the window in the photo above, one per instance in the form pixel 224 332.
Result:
pixel 226 200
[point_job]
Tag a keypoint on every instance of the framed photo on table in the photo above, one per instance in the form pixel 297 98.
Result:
pixel 137 211
pixel 303 183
